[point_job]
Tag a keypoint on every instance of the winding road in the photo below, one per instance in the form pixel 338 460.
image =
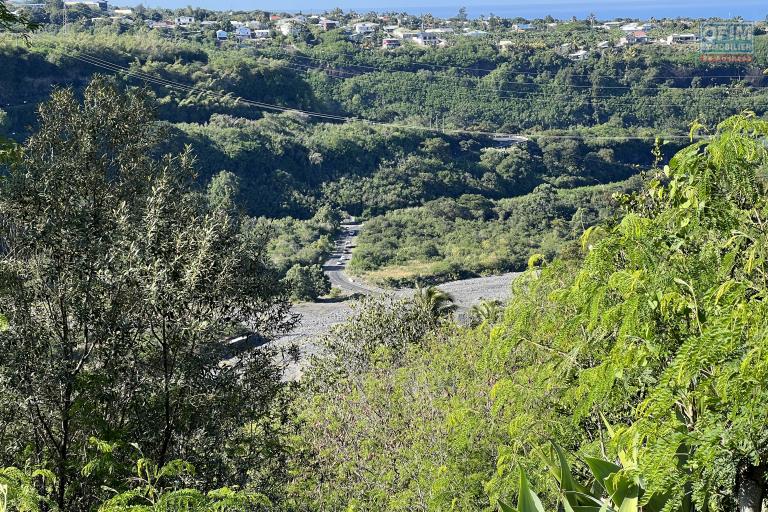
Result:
pixel 335 265
pixel 318 318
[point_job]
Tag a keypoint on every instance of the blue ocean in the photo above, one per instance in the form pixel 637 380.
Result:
pixel 563 9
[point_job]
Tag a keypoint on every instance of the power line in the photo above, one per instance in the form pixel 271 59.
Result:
pixel 95 61
pixel 536 96
pixel 351 74
pixel 514 70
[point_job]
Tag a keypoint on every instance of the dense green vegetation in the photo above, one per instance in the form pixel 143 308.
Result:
pixel 145 266
pixel 650 349
pixel 592 122
pixel 118 284
pixel 448 239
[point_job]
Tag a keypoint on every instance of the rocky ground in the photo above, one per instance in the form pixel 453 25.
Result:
pixel 318 318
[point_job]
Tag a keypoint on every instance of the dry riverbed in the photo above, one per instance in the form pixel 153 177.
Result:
pixel 317 319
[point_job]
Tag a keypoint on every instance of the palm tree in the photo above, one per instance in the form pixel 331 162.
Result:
pixel 490 311
pixel 435 302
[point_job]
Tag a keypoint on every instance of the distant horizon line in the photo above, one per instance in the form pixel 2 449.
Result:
pixel 366 11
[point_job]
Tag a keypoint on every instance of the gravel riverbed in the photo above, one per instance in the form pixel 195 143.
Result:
pixel 318 318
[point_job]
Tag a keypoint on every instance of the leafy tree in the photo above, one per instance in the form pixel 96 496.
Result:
pixel 19 489
pixel 224 192
pixel 10 22
pixel 659 330
pixel 307 283
pixel 120 286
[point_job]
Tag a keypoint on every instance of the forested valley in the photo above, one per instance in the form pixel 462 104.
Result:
pixel 158 224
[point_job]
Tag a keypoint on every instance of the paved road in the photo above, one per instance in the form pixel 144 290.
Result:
pixel 337 263
pixel 318 318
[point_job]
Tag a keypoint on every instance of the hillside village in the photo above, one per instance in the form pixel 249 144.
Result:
pixel 387 32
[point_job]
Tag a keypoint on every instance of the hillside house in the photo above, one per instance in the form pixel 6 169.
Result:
pixel 243 33
pixel 184 21
pixel 390 43
pixel 365 28
pixel 611 25
pixel 405 33
pixel 637 37
pixel 163 25
pixel 632 27
pixel 681 39
pixel 93 5
pixel 290 27
pixel 475 33
pixel 262 33
pixel 523 27
pixel 427 39
pixel 328 24
pixel 222 35
pixel 579 55
pixel 506 46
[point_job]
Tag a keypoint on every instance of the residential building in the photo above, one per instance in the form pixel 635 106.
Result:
pixel 290 27
pixel 208 23
pixel 222 35
pixel 638 27
pixel 681 39
pixel 523 27
pixel 610 25
pixel 95 5
pixel 184 21
pixel 439 30
pixel 579 55
pixel 390 43
pixel 262 33
pixel 427 39
pixel 328 24
pixel 365 28
pixel 406 33
pixel 475 33
pixel 506 45
pixel 638 37
pixel 163 25
pixel 631 27
pixel 242 33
